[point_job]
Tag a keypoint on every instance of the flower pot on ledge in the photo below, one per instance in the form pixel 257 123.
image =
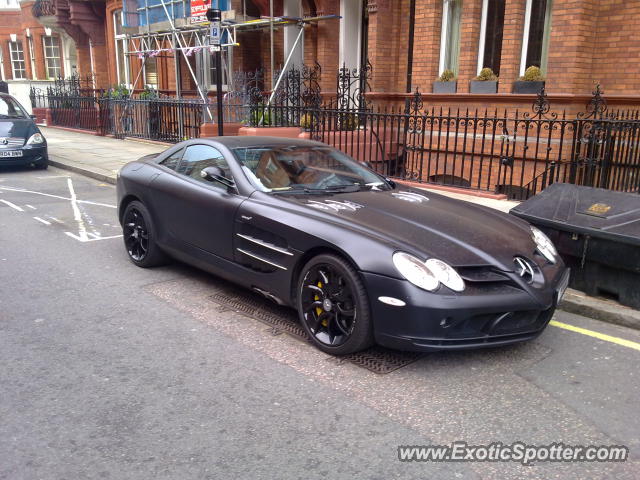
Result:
pixel 445 87
pixel 484 86
pixel 528 88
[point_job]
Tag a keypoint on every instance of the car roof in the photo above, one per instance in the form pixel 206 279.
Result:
pixel 259 141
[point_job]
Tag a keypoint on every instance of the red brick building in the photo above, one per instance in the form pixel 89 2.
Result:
pixel 409 43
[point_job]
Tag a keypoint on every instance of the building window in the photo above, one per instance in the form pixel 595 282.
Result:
pixel 450 39
pixel 9 4
pixel 537 30
pixel 52 57
pixel 151 72
pixel 17 60
pixel 491 33
pixel 122 59
pixel 212 71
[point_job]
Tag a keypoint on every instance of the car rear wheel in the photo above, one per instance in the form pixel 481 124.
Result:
pixel 140 236
pixel 333 306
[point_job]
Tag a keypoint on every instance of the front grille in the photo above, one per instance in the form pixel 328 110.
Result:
pixel 11 142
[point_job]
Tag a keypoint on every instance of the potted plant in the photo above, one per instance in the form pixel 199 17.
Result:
pixel 531 83
pixel 446 83
pixel 485 82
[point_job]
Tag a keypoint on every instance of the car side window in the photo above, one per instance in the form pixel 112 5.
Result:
pixel 173 160
pixel 198 157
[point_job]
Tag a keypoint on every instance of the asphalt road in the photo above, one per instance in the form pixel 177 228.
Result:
pixel 111 371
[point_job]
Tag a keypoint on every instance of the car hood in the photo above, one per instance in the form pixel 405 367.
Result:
pixel 458 232
pixel 17 127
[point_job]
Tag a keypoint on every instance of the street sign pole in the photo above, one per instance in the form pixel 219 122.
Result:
pixel 215 17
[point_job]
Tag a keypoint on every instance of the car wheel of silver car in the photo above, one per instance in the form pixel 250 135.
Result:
pixel 333 306
pixel 140 237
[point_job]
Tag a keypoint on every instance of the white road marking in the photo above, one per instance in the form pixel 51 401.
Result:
pixel 88 202
pixel 42 220
pixel 30 206
pixel 77 215
pixel 12 205
pixel 76 237
pixel 53 176
pixel 57 220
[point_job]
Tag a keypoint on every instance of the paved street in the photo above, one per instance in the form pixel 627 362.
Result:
pixel 111 371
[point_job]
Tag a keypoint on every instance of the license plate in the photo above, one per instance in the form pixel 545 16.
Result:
pixel 564 283
pixel 11 153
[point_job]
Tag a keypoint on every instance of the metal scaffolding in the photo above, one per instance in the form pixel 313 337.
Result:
pixel 186 40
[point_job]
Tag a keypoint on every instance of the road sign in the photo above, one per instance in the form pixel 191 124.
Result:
pixel 215 35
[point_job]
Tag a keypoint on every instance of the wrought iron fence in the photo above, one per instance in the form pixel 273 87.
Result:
pixel 516 153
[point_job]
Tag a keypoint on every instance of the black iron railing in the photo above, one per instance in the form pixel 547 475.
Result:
pixel 510 152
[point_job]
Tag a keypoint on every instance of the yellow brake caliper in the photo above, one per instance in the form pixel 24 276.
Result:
pixel 318 309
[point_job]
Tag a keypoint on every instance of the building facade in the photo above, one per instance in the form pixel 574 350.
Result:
pixel 409 43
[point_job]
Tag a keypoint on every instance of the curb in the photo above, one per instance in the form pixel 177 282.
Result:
pixel 599 309
pixel 573 302
pixel 82 171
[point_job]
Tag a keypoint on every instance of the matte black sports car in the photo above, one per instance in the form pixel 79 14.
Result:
pixel 361 258
pixel 21 142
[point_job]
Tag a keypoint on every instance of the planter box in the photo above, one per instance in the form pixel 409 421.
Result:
pixel 486 87
pixel 530 88
pixel 445 87
pixel 282 132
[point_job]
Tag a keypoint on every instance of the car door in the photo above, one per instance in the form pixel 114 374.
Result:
pixel 195 211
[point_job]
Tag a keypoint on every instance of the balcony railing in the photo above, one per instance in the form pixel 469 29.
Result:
pixel 43 8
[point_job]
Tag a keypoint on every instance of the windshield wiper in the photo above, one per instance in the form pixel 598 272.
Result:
pixel 348 188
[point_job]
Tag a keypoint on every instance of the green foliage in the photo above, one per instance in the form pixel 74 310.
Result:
pixel 117 91
pixel 260 116
pixel 533 74
pixel 348 122
pixel 149 93
pixel 447 76
pixel 306 121
pixel 486 75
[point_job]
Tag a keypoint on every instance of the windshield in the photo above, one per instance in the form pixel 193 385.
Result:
pixel 289 169
pixel 9 108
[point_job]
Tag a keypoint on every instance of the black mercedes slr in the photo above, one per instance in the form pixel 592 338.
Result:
pixel 363 259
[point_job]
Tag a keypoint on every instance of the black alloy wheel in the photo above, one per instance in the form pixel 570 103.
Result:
pixel 333 306
pixel 139 236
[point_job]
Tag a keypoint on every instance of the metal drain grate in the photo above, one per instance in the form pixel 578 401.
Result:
pixel 284 320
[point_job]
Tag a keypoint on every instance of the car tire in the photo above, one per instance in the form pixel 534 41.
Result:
pixel 333 306
pixel 139 235
pixel 42 165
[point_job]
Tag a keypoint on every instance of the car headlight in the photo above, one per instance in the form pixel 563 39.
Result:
pixel 427 275
pixel 544 245
pixel 35 139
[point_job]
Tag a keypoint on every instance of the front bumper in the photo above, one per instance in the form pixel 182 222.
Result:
pixel 30 155
pixel 484 316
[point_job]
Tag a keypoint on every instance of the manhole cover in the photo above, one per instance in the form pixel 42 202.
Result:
pixel 282 319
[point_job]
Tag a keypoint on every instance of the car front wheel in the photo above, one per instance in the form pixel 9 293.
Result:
pixel 140 236
pixel 333 306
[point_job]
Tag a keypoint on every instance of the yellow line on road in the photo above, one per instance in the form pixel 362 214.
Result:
pixel 598 335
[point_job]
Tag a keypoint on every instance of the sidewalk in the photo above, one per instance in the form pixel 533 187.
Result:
pixel 92 155
pixel 101 158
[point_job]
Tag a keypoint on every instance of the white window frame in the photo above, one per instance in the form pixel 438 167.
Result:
pixel 32 58
pixel 13 61
pixel 483 34
pixel 444 37
pixel 545 41
pixel 46 58
pixel 118 15
pixel 2 76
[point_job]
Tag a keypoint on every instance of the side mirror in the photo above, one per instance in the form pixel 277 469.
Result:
pixel 33 117
pixel 215 174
